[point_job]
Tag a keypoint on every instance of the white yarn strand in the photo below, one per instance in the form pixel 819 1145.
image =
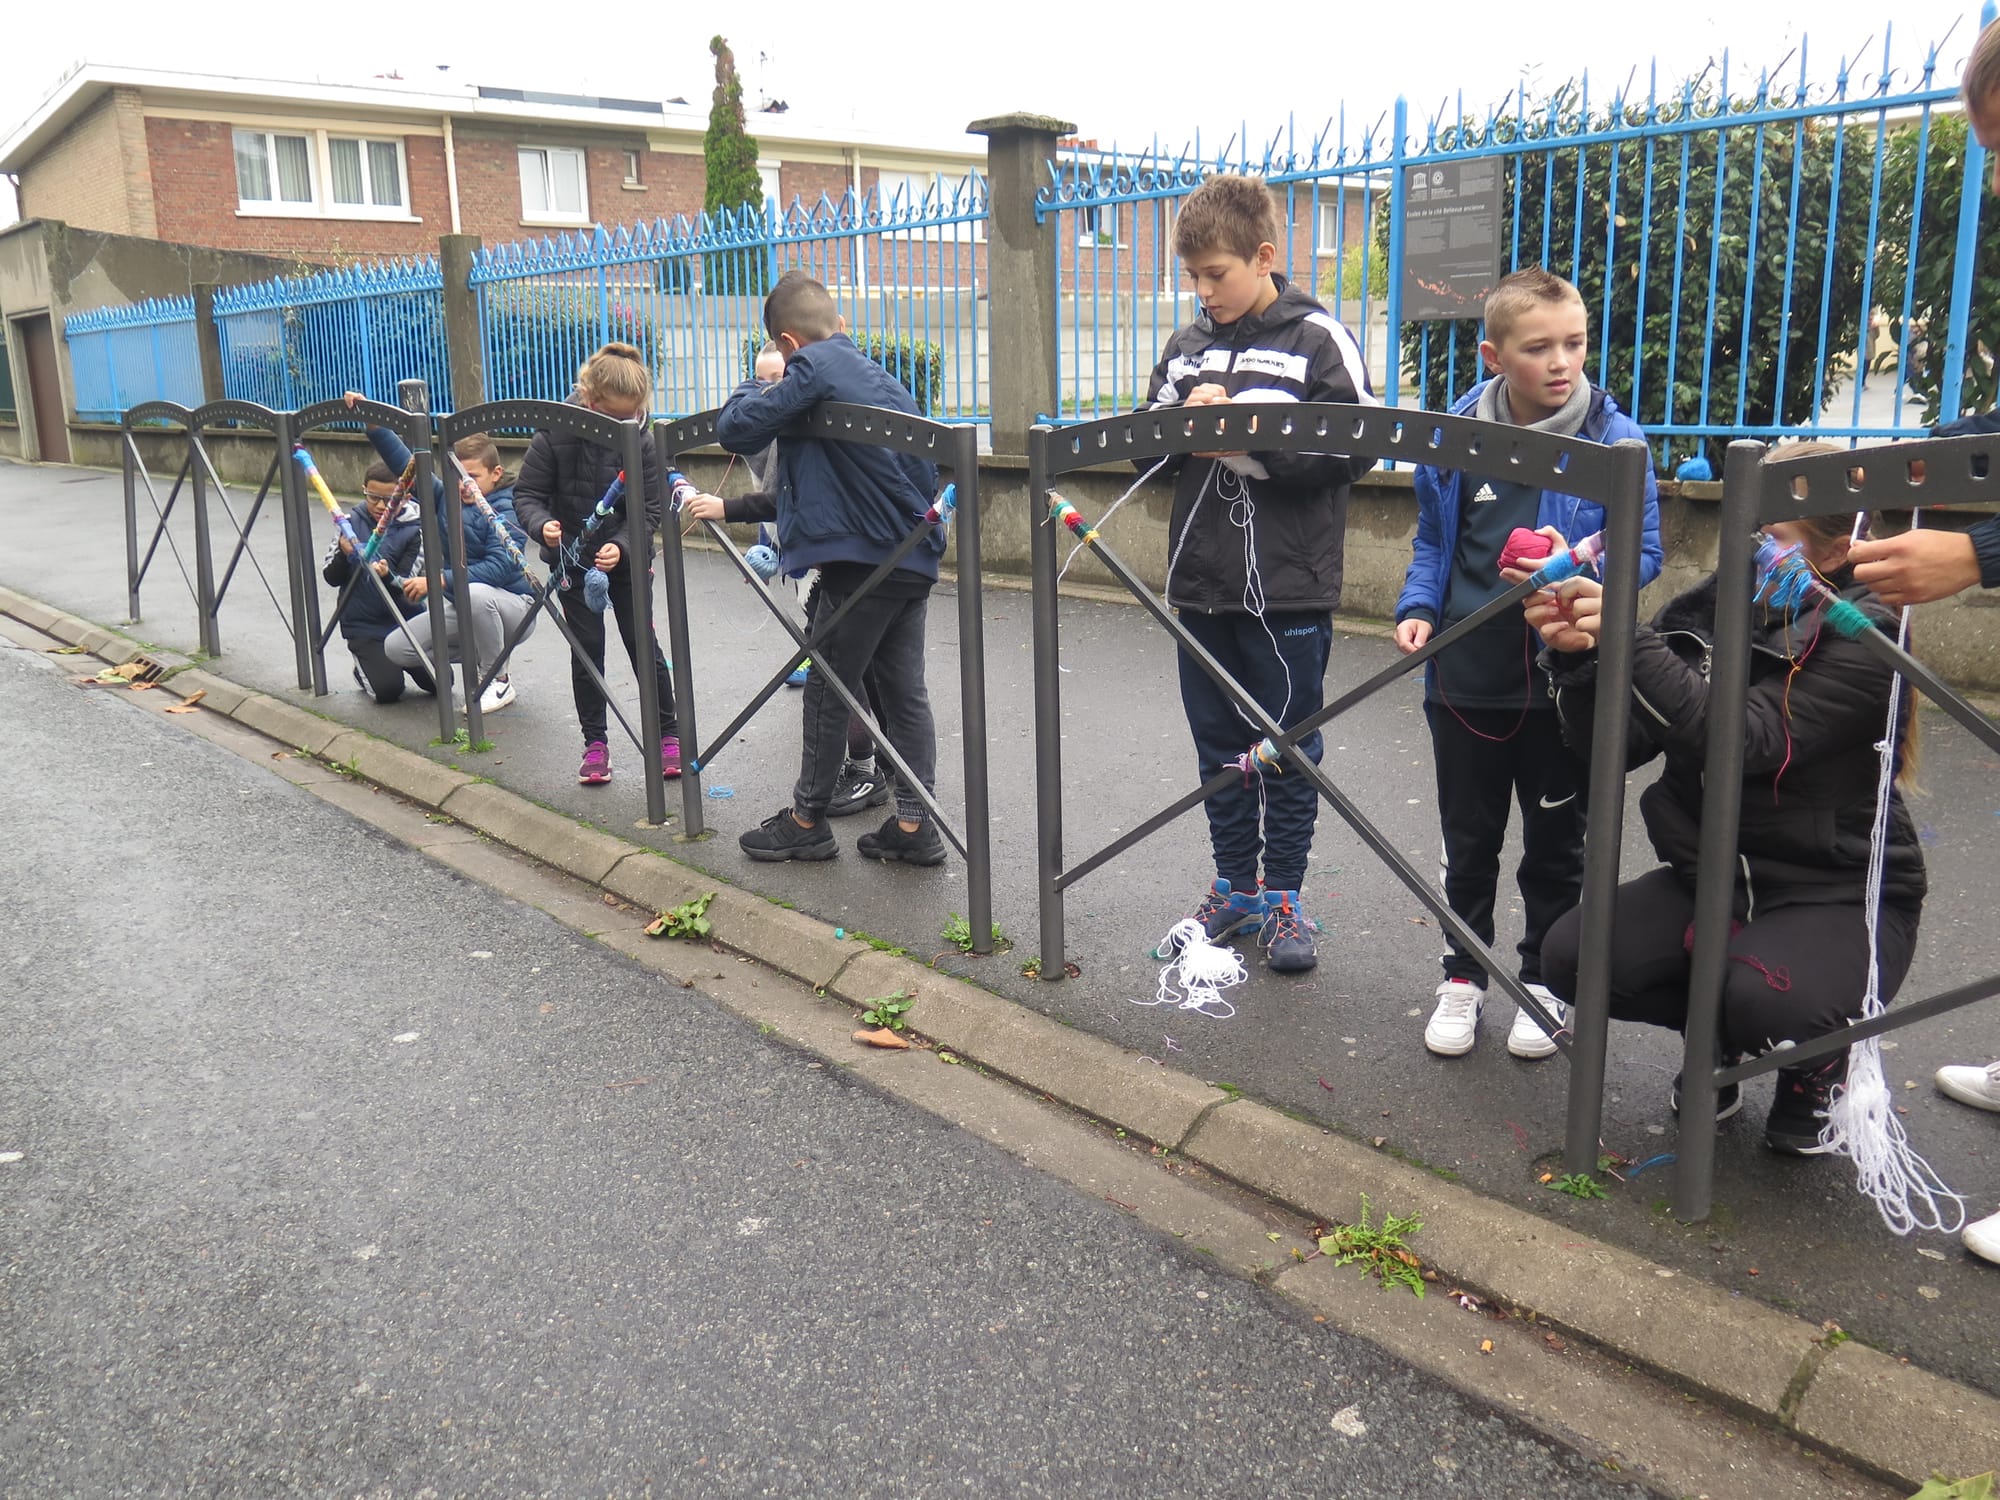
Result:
pixel 1106 517
pixel 1861 1122
pixel 1197 972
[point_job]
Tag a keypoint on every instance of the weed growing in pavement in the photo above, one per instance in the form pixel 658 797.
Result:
pixel 889 1011
pixel 1579 1185
pixel 683 921
pixel 958 933
pixel 1380 1250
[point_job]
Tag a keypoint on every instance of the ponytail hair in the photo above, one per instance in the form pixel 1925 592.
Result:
pixel 617 372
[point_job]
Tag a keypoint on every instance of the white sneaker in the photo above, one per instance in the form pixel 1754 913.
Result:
pixel 1527 1039
pixel 499 693
pixel 1979 1087
pixel 361 681
pixel 1982 1237
pixel 1454 1025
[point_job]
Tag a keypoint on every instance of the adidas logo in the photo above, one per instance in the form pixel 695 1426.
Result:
pixel 1485 494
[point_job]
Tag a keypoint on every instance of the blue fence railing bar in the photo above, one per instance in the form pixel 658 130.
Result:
pixel 908 275
pixel 294 341
pixel 122 356
pixel 1824 289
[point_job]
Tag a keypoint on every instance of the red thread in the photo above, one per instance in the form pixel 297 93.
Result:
pixel 1523 546
pixel 1779 979
pixel 1527 696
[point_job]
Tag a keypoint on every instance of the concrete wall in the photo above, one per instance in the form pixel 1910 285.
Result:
pixel 1960 637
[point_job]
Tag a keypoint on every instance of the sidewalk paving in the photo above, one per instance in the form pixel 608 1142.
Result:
pixel 1341 1045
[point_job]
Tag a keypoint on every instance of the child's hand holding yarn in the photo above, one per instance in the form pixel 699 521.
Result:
pixel 704 507
pixel 1568 617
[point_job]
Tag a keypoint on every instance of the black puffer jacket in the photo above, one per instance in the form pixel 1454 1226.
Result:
pixel 563 478
pixel 1296 502
pixel 1809 764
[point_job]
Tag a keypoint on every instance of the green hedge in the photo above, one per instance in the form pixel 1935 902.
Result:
pixel 537 336
pixel 917 364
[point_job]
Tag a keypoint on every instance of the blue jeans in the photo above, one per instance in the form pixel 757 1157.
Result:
pixel 1288 683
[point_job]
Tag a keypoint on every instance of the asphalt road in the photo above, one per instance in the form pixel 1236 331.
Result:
pixel 1341 1045
pixel 313 1181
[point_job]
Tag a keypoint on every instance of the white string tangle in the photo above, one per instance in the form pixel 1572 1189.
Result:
pixel 1197 972
pixel 1861 1122
pixel 1110 513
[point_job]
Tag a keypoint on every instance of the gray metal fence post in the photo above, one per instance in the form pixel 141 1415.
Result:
pixel 298 554
pixel 204 561
pixel 1048 706
pixel 972 693
pixel 639 559
pixel 1721 816
pixel 673 572
pixel 1590 1020
pixel 131 529
pixel 433 538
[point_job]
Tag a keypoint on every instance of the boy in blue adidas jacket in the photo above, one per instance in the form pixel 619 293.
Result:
pixel 1494 732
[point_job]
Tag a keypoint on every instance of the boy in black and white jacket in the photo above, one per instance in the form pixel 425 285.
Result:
pixel 1255 570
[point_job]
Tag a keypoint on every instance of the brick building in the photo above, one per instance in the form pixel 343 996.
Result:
pixel 330 172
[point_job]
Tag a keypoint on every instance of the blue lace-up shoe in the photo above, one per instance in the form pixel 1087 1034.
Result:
pixel 1224 912
pixel 1287 934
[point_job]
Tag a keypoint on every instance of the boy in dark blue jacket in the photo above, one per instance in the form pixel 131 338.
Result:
pixel 843 508
pixel 367 622
pixel 1494 732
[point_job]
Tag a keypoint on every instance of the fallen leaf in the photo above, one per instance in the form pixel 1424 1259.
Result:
pixel 1929 1293
pixel 883 1037
pixel 281 755
pixel 65 651
pixel 140 687
pixel 548 1008
pixel 1273 1237
pixel 1554 1343
pixel 1755 1272
pixel 1381 1140
pixel 1486 1346
pixel 188 706
pixel 1930 1254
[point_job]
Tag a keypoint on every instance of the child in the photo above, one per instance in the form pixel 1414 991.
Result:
pixel 562 479
pixel 1255 572
pixel 1798 957
pixel 502 595
pixel 367 621
pixel 1494 734
pixel 843 508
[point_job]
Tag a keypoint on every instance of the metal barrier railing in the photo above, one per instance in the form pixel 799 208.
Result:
pixel 953 447
pixel 414 429
pixel 1613 476
pixel 627 439
pixel 1756 494
pixel 197 472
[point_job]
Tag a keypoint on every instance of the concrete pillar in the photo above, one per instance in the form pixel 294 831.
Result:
pixel 208 341
pixel 1021 272
pixel 461 321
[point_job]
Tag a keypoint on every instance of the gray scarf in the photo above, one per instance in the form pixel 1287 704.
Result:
pixel 1493 407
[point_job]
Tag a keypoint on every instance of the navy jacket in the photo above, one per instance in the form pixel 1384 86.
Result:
pixel 836 502
pixel 487 559
pixel 366 617
pixel 1441 497
pixel 1986 535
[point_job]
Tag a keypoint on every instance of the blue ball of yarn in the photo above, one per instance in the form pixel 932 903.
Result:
pixel 1695 468
pixel 597 589
pixel 763 561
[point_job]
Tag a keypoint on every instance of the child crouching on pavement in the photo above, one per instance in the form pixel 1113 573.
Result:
pixel 367 622
pixel 843 508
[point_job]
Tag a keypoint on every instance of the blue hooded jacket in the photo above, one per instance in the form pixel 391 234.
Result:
pixel 487 561
pixel 836 501
pixel 1440 498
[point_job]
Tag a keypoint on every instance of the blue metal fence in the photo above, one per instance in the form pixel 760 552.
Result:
pixel 290 342
pixel 908 275
pixel 1839 243
pixel 121 356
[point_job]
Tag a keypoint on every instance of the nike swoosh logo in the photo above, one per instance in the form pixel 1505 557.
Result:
pixel 1559 802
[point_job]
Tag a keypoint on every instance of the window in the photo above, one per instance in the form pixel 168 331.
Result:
pixel 552 185
pixel 1331 239
pixel 632 170
pixel 926 196
pixel 774 196
pixel 312 174
pixel 1096 225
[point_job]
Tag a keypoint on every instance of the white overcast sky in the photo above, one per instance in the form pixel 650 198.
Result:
pixel 926 70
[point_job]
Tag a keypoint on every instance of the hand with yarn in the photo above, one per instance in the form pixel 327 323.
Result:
pixel 1525 547
pixel 597 590
pixel 1784 577
pixel 704 507
pixel 1569 616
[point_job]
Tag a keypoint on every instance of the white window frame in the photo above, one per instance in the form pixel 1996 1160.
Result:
pixel 1089 219
pixel 919 185
pixel 634 169
pixel 774 188
pixel 1331 214
pixel 319 168
pixel 553 216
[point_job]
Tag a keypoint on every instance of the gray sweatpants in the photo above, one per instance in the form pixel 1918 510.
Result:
pixel 495 612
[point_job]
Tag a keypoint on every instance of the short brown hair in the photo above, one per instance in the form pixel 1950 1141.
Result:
pixel 477 448
pixel 1981 79
pixel 381 473
pixel 802 307
pixel 1232 213
pixel 1518 291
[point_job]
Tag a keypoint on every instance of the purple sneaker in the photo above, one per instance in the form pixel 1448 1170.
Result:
pixel 670 758
pixel 596 767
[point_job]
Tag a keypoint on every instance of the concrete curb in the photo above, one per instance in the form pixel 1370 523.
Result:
pixel 1866 1408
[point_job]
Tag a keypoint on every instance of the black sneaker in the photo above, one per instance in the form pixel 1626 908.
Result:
pixel 1798 1110
pixel 890 842
pixel 1728 1099
pixel 779 837
pixel 855 790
